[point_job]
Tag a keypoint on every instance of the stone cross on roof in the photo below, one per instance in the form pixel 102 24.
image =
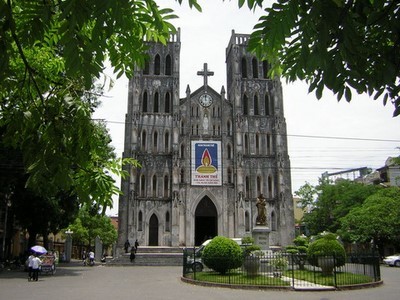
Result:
pixel 205 73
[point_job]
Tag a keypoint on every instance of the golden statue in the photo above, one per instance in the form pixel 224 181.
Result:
pixel 262 211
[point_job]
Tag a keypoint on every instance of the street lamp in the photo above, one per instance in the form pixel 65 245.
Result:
pixel 8 205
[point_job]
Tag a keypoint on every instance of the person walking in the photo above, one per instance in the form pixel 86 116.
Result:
pixel 132 256
pixel 30 271
pixel 136 245
pixel 84 257
pixel 36 262
pixel 127 245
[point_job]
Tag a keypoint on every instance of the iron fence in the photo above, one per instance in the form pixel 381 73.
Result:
pixel 289 270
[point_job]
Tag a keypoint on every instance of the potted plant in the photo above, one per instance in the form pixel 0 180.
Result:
pixel 251 253
pixel 279 264
pixel 298 251
pixel 327 253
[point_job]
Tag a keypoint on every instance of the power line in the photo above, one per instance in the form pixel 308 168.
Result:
pixel 288 135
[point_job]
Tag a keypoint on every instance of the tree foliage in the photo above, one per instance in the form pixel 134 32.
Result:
pixel 337 44
pixel 335 201
pixel 377 219
pixel 52 53
pixel 89 224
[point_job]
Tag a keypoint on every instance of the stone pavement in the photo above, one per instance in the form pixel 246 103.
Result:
pixel 73 281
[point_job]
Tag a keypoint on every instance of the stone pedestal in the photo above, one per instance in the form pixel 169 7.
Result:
pixel 261 236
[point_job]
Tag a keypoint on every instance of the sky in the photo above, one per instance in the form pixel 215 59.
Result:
pixel 323 135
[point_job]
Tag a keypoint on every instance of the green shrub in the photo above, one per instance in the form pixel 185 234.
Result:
pixel 326 245
pixel 249 246
pixel 222 254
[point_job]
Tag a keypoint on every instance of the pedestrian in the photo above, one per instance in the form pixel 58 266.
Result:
pixel 30 272
pixel 132 256
pixel 36 262
pixel 136 245
pixel 91 258
pixel 84 257
pixel 127 245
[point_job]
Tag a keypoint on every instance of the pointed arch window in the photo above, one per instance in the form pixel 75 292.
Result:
pixel 146 69
pixel 154 186
pixel 182 176
pixel 229 148
pixel 144 102
pixel 166 186
pixel 167 222
pixel 254 64
pixel 244 67
pixel 182 151
pixel 182 127
pixel 270 187
pixel 267 105
pixel 265 69
pixel 247 187
pixel 256 109
pixel 157 65
pixel 142 186
pixel 246 145
pixel 268 144
pixel 144 137
pixel 168 65
pixel 167 103
pixel 156 103
pixel 258 185
pixel 258 144
pixel 140 221
pixel 245 105
pixel 166 141
pixel 229 128
pixel 155 141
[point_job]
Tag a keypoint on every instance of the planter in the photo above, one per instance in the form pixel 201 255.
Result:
pixel 251 264
pixel 326 263
pixel 278 272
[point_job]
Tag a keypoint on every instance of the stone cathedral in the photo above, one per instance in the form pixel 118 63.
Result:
pixel 207 157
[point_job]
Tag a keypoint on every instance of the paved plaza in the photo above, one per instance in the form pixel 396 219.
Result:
pixel 75 282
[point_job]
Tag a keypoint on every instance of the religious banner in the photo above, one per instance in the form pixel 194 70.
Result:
pixel 206 163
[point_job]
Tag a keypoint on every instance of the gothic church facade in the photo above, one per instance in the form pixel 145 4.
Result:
pixel 206 157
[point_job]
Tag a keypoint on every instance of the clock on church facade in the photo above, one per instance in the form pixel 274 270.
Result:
pixel 206 157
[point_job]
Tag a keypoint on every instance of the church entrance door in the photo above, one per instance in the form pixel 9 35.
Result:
pixel 153 231
pixel 206 221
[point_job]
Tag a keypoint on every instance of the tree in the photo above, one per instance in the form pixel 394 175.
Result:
pixel 338 44
pixel 52 53
pixel 222 254
pixel 89 224
pixel 335 201
pixel 377 219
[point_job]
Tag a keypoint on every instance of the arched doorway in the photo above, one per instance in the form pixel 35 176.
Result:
pixel 153 231
pixel 206 221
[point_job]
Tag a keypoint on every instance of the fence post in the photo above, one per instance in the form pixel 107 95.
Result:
pixel 334 269
pixel 292 259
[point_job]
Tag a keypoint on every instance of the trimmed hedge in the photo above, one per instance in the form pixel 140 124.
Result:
pixel 326 245
pixel 222 254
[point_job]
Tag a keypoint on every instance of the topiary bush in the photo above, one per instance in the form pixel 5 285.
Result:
pixel 248 245
pixel 222 254
pixel 299 251
pixel 326 245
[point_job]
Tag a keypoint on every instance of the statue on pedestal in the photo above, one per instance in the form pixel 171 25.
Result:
pixel 262 210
